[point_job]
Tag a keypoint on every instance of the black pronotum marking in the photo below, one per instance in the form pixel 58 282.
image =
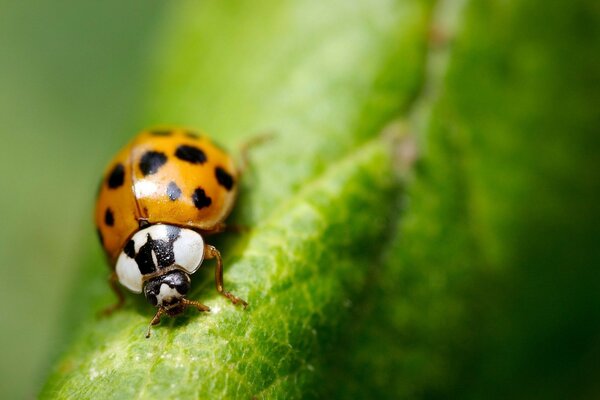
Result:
pixel 116 177
pixel 151 162
pixel 129 249
pixel 109 218
pixel 190 154
pixel 163 249
pixel 173 191
pixel 224 178
pixel 200 199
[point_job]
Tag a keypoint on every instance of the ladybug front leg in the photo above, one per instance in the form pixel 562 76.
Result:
pixel 114 285
pixel 212 252
pixel 192 303
pixel 156 320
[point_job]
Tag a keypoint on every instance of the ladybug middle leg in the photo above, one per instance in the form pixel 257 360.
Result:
pixel 212 252
pixel 223 227
pixel 114 285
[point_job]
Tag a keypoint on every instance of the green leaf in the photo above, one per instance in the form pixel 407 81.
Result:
pixel 325 80
pixel 297 269
pixel 486 283
pixel 491 286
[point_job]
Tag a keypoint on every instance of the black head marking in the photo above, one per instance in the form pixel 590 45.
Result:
pixel 109 218
pixel 224 178
pixel 191 154
pixel 200 199
pixel 151 162
pixel 116 177
pixel 173 191
pixel 178 280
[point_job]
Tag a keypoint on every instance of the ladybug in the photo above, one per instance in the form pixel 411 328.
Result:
pixel 160 197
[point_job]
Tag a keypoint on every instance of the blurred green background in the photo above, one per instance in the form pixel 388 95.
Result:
pixel 71 74
pixel 488 285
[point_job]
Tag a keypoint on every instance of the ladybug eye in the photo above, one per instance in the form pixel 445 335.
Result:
pixel 179 281
pixel 183 287
pixel 152 299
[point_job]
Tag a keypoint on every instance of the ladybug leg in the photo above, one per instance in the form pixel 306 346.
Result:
pixel 192 303
pixel 155 320
pixel 223 227
pixel 114 285
pixel 218 228
pixel 237 228
pixel 247 147
pixel 212 252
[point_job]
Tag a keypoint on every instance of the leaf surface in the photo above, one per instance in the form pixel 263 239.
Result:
pixel 324 79
pixel 490 287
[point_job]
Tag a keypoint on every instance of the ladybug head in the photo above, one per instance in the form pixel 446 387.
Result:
pixel 168 290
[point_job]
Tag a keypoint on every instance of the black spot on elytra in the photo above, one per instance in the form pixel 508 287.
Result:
pixel 224 178
pixel 151 162
pixel 116 177
pixel 129 249
pixel 109 218
pixel 173 191
pixel 200 199
pixel 100 237
pixel 190 154
pixel 161 132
